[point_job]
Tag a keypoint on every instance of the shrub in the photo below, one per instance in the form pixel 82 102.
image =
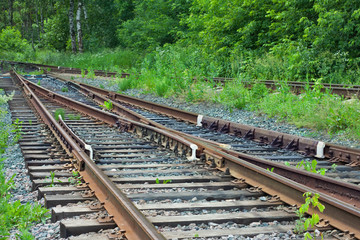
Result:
pixel 11 40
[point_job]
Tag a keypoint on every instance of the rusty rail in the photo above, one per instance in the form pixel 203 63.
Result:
pixel 303 145
pixel 340 214
pixel 126 215
pixel 343 191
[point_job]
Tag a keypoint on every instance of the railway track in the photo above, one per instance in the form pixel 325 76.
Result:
pixel 254 141
pixel 344 90
pixel 348 173
pixel 173 170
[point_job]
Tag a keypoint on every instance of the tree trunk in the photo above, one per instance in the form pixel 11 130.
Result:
pixel 79 30
pixel 37 19
pixel 72 27
pixel 11 12
pixel 32 32
pixel 42 20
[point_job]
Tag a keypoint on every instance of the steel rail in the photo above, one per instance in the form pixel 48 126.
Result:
pixel 343 191
pixel 126 215
pixel 303 145
pixel 338 212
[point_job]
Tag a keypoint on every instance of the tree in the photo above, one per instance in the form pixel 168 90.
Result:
pixel 72 27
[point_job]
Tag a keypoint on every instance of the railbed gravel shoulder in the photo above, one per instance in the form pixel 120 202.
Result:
pixel 219 111
pixel 14 164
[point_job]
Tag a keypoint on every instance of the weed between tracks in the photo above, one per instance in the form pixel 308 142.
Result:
pixel 14 215
pixel 305 223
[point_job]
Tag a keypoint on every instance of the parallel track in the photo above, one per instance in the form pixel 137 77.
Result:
pixel 53 96
pixel 172 158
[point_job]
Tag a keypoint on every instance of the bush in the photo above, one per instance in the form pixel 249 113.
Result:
pixel 11 40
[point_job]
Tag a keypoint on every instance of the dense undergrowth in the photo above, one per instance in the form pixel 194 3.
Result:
pixel 170 71
pixel 13 214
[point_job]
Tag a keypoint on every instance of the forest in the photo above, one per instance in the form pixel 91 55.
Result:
pixel 169 43
pixel 262 39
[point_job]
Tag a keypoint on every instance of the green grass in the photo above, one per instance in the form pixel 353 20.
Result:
pixel 73 116
pixel 169 71
pixel 108 60
pixel 61 112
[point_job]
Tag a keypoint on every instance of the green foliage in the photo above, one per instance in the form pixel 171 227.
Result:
pixel 52 180
pixel 11 40
pixel 61 112
pixel 304 223
pixel 124 83
pixel 75 179
pixel 311 167
pixel 108 59
pixel 5 129
pixel 161 88
pixel 16 130
pixel 107 105
pixel 14 215
pixel 56 30
pixel 157 181
pixel 73 116
pixel 65 89
pixel 83 72
pixel 155 23
pixel 91 74
pixel 39 83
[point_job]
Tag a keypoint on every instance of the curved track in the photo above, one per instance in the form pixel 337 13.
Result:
pixel 210 154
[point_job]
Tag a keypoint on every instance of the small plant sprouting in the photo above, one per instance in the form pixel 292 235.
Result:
pixel 304 223
pixel 82 73
pixel 107 105
pixel 61 112
pixel 52 179
pixel 196 235
pixel 270 170
pixel 166 181
pixel 333 167
pixel 64 89
pixel 16 129
pixel 311 167
pixel 91 74
pixel 157 181
pixel 39 83
pixel 101 86
pixel 74 117
pixel 75 179
pixel 30 121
